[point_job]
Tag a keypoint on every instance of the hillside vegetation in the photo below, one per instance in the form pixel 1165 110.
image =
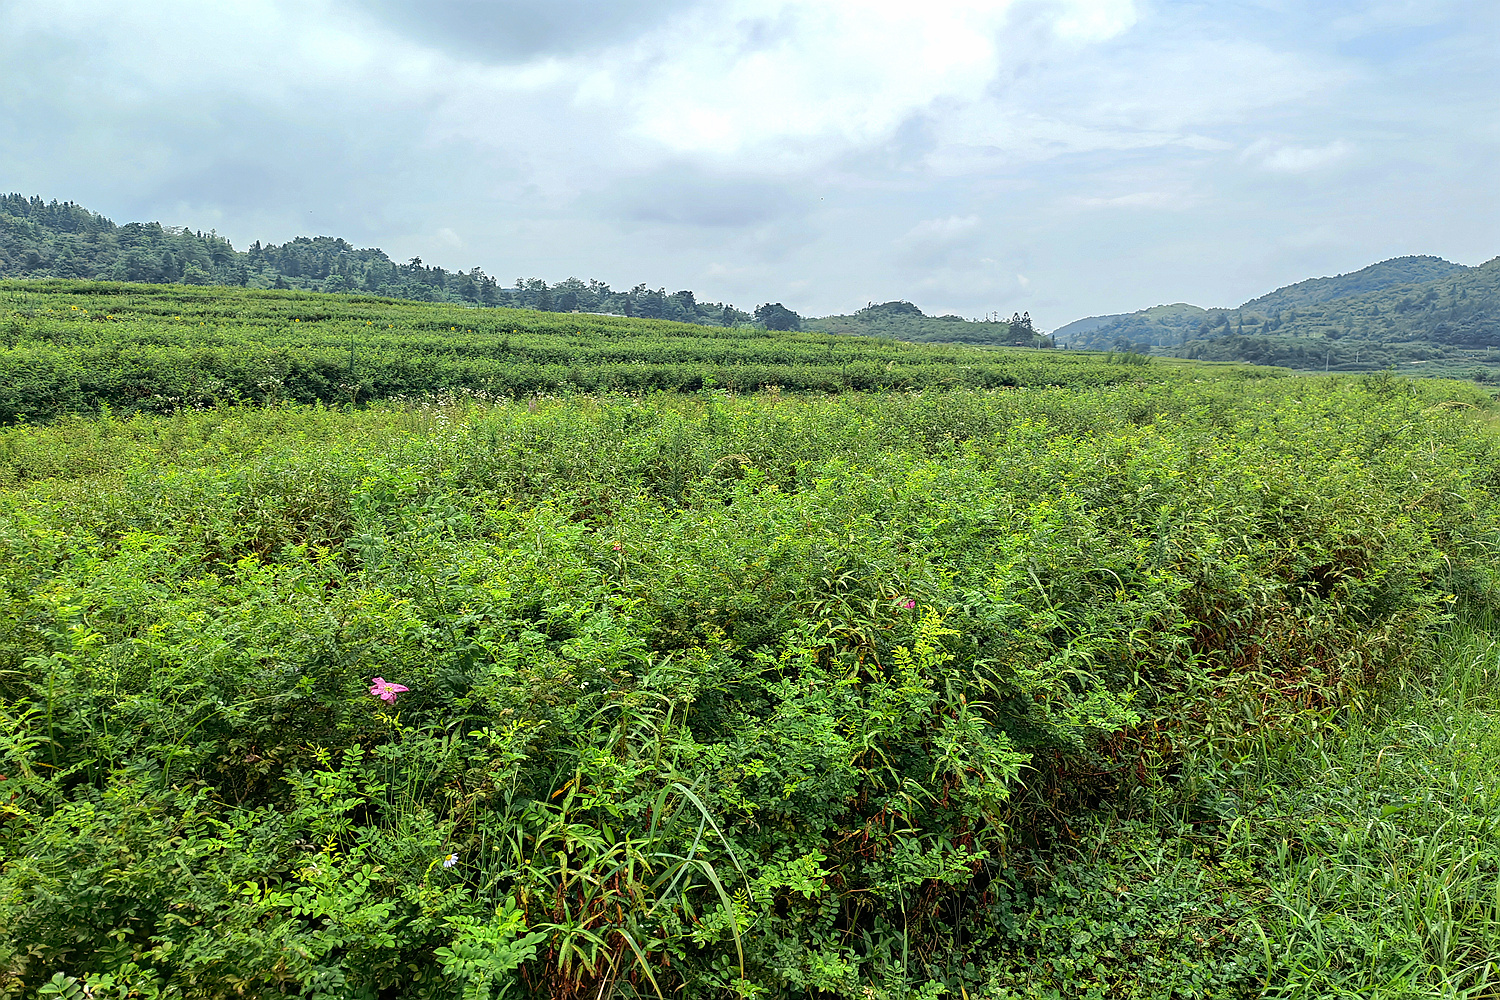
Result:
pixel 904 321
pixel 1143 330
pixel 1409 311
pixel 40 239
pixel 77 347
pixel 1375 278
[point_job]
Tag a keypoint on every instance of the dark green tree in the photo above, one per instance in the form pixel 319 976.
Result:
pixel 775 316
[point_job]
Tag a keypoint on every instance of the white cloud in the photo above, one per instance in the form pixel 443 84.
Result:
pixel 1138 199
pixel 1153 92
pixel 1381 14
pixel 943 230
pixel 1095 22
pixel 941 241
pixel 799 81
pixel 1289 159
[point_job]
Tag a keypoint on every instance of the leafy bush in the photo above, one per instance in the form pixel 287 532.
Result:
pixel 757 696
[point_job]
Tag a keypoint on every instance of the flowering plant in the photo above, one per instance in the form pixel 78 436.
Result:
pixel 387 691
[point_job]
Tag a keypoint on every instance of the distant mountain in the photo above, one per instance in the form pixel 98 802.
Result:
pixel 1088 324
pixel 1155 326
pixel 901 320
pixel 1406 311
pixel 1375 278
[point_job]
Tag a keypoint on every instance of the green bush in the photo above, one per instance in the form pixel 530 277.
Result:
pixel 761 695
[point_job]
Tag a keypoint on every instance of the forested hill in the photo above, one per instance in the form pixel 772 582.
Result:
pixel 1375 278
pixel 1407 311
pixel 904 321
pixel 1147 328
pixel 1172 325
pixel 40 239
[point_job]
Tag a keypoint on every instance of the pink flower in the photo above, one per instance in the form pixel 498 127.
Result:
pixel 386 691
pixel 908 604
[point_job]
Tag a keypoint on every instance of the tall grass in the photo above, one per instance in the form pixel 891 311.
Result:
pixel 1380 841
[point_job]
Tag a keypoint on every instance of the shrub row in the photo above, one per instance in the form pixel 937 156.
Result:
pixel 757 696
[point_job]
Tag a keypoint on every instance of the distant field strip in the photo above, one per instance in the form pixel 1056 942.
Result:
pixel 74 347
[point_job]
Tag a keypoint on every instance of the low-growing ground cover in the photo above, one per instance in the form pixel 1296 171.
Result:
pixel 1057 692
pixel 1357 859
pixel 80 347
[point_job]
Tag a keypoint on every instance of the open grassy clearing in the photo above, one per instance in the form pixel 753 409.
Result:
pixel 1348 857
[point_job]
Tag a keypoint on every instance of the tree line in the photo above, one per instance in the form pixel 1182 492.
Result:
pixel 40 239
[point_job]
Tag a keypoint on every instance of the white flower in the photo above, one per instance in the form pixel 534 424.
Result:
pixel 450 861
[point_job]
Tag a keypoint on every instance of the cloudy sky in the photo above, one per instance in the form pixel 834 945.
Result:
pixel 1066 157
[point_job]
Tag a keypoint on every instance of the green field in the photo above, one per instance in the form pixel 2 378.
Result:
pixel 76 347
pixel 1035 675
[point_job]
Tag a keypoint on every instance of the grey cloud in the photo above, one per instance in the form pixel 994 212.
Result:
pixel 941 242
pixel 685 196
pixel 516 30
pixel 537 180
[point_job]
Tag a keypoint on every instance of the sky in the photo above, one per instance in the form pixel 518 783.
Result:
pixel 1060 157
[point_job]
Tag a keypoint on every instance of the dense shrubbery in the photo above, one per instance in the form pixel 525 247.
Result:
pixel 762 696
pixel 69 347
